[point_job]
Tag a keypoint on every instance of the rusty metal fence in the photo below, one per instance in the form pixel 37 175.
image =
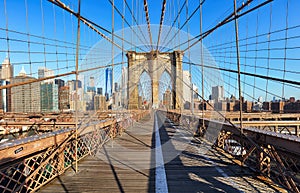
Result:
pixel 30 173
pixel 273 155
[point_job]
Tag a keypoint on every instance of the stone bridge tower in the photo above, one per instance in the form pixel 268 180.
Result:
pixel 154 63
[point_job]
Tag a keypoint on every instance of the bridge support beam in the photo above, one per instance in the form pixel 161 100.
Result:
pixel 154 63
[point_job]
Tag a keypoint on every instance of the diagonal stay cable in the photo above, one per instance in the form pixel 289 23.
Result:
pixel 228 19
pixel 237 128
pixel 161 22
pixel 85 21
pixel 186 21
pixel 292 82
pixel 92 24
pixel 148 22
pixel 123 17
pixel 135 21
pixel 173 24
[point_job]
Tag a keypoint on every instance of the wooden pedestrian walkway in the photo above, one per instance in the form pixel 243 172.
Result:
pixel 129 164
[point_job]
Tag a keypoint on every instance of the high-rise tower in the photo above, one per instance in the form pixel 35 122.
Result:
pixel 6 70
pixel 108 81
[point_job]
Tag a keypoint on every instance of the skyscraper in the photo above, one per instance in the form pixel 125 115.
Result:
pixel 186 86
pixel 99 91
pixel 6 73
pixel 59 82
pixel 92 82
pixel 44 72
pixel 217 93
pixel 6 70
pixel 49 97
pixel 25 98
pixel 64 98
pixel 5 97
pixel 108 81
pixel 123 86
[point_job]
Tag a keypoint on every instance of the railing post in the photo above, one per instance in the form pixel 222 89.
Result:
pixel 61 161
pixel 264 161
pixel 76 98
pixel 297 128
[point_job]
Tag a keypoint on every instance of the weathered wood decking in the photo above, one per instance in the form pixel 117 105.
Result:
pixel 127 164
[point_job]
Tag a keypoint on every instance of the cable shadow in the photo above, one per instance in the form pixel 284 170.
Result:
pixel 190 178
pixel 114 171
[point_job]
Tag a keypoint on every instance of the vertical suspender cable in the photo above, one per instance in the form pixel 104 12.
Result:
pixel 137 17
pixel 6 26
pixel 76 98
pixel 54 20
pixel 238 65
pixel 132 16
pixel 113 40
pixel 285 45
pixel 174 21
pixel 134 20
pixel 29 58
pixel 202 66
pixel 189 58
pixel 122 75
pixel 245 56
pixel 256 50
pixel 269 54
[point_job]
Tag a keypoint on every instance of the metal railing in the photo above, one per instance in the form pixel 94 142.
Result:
pixel 33 170
pixel 274 155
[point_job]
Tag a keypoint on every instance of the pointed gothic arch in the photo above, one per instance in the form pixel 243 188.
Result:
pixel 155 63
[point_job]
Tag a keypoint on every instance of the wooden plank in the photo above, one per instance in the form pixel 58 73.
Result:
pixel 10 151
pixel 189 171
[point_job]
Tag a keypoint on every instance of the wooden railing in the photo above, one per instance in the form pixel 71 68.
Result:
pixel 30 163
pixel 274 155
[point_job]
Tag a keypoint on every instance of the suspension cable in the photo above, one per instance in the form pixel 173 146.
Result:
pixel 174 22
pixel 186 21
pixel 292 82
pixel 135 20
pixel 161 22
pixel 148 22
pixel 124 19
pixel 90 24
pixel 228 19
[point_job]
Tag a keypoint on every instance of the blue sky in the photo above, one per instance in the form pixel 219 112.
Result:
pixel 58 52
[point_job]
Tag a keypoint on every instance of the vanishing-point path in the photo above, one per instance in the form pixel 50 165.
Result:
pixel 156 156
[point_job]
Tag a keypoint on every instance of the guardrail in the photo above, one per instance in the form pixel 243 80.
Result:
pixel 274 155
pixel 30 163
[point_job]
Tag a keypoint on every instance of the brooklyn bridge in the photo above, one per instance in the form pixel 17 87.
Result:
pixel 150 96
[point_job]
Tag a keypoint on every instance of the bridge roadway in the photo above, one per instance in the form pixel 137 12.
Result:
pixel 127 164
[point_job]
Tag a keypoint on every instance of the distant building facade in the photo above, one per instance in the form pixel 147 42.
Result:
pixel 123 86
pixel 5 97
pixel 186 86
pixel 49 97
pixel 64 98
pixel 100 103
pixel 6 73
pixel 44 72
pixel 59 82
pixel 25 98
pixel 6 70
pixel 217 93
pixel 167 99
